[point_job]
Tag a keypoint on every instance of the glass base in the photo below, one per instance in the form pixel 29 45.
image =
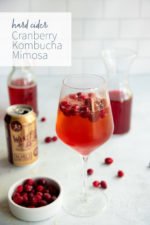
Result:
pixel 90 205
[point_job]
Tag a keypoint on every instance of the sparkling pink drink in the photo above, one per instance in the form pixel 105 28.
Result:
pixel 84 121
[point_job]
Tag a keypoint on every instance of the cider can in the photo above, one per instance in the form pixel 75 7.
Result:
pixel 21 135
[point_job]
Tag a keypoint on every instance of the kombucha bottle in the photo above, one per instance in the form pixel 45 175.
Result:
pixel 22 87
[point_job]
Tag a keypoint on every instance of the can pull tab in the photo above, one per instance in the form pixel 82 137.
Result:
pixel 21 111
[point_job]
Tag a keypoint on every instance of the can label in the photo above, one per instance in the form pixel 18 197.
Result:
pixel 24 142
pixel 22 138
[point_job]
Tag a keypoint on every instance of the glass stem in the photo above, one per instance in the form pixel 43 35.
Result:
pixel 84 190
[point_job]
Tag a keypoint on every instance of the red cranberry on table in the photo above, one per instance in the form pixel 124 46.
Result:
pixel 108 160
pixel 43 119
pixel 120 173
pixel 54 138
pixel 96 184
pixel 48 139
pixel 103 184
pixel 90 171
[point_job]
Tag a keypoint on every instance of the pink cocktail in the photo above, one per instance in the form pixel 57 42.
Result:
pixel 84 122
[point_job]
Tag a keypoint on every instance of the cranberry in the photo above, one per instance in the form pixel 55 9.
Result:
pixel 73 96
pixel 54 138
pixel 39 193
pixel 42 181
pixel 63 105
pixel 96 183
pixel 120 173
pixel 102 113
pixel 83 96
pixel 35 200
pixel 68 110
pixel 30 195
pixel 42 203
pixel 38 197
pixel 79 94
pixel 87 102
pixel 28 188
pixel 108 160
pixel 33 191
pixel 48 139
pixel 19 188
pixel 75 109
pixel 29 182
pixel 103 184
pixel 40 188
pixel 25 198
pixel 47 197
pixel 18 199
pixel 90 171
pixel 84 111
pixel 43 119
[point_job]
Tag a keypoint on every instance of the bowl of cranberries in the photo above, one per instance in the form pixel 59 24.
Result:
pixel 35 199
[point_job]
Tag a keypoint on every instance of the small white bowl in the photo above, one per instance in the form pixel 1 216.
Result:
pixel 35 214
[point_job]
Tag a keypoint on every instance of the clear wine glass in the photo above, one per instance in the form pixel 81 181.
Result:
pixel 84 122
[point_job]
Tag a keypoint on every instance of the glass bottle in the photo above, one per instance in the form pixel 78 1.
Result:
pixel 22 87
pixel 118 63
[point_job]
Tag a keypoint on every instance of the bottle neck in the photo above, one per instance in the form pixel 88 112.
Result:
pixel 21 76
pixel 118 80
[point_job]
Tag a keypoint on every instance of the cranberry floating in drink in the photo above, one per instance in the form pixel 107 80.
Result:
pixel 118 62
pixel 22 88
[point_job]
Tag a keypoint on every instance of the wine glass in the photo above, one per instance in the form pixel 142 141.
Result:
pixel 84 122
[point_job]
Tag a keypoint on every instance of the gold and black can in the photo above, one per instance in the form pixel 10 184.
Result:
pixel 21 133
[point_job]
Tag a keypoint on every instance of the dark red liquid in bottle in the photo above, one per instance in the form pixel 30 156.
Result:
pixel 23 92
pixel 121 109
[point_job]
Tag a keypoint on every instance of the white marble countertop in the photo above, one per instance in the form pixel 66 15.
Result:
pixel 129 197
